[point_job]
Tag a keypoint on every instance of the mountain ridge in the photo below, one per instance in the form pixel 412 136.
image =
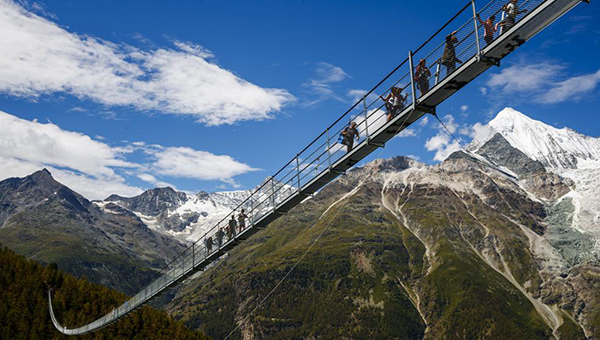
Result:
pixel 45 220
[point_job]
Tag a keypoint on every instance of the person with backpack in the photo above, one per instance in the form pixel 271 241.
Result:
pixel 349 133
pixel 394 102
pixel 422 75
pixel 488 29
pixel 231 232
pixel 449 58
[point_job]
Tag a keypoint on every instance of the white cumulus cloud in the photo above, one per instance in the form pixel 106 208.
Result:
pixel 543 82
pixel 189 163
pixel 571 88
pixel 523 77
pixel 40 58
pixel 85 165
pixel 96 169
pixel 442 143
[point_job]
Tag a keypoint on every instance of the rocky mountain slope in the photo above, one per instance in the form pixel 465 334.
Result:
pixel 568 157
pixel 483 245
pixel 46 221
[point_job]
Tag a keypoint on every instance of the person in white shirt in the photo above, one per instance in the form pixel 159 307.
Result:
pixel 511 10
pixel 394 102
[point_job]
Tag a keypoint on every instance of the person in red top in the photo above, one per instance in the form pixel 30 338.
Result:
pixel 489 29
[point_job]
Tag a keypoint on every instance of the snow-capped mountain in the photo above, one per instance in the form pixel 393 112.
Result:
pixel 564 152
pixel 186 216
pixel 554 148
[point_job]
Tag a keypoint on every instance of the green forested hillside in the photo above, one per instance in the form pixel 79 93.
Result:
pixel 24 306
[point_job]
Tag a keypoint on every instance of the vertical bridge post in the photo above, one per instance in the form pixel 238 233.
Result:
pixel 501 28
pixel 252 210
pixel 298 172
pixel 366 115
pixel 273 193
pixel 476 28
pixel 328 151
pixel 412 80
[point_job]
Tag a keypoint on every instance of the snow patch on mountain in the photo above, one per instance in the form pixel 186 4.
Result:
pixel 187 217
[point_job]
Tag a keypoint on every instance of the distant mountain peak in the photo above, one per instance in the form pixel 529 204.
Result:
pixel 557 148
pixel 43 172
pixel 163 189
pixel 41 175
pixel 397 163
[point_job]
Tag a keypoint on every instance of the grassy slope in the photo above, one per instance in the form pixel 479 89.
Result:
pixel 77 256
pixel 346 287
pixel 465 296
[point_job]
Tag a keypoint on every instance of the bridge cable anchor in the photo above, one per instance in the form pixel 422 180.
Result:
pixel 489 60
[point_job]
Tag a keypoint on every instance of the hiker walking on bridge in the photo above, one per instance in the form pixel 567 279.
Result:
pixel 231 232
pixel 422 75
pixel 219 236
pixel 449 58
pixel 394 102
pixel 208 242
pixel 488 28
pixel 242 221
pixel 349 133
pixel 512 10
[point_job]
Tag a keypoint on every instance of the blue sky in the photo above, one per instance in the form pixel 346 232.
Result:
pixel 217 95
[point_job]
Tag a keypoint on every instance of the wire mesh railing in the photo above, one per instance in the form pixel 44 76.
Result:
pixel 462 38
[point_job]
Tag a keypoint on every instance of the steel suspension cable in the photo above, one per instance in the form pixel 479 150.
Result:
pixel 287 274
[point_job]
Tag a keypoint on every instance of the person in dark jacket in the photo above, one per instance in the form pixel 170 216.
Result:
pixel 231 232
pixel 220 235
pixel 209 244
pixel 349 134
pixel 422 75
pixel 449 58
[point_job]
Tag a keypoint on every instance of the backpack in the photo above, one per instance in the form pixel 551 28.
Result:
pixel 342 137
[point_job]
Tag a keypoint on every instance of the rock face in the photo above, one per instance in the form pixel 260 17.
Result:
pixel 485 245
pixel 570 178
pixel 44 220
pixel 499 151
pixel 533 174
pixel 152 202
pixel 160 204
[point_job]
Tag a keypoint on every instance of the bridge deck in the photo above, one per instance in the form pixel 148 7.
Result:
pixel 324 159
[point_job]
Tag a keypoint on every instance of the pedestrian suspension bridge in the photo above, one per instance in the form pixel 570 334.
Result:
pixel 324 158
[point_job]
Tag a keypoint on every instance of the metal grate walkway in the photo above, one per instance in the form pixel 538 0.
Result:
pixel 324 158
